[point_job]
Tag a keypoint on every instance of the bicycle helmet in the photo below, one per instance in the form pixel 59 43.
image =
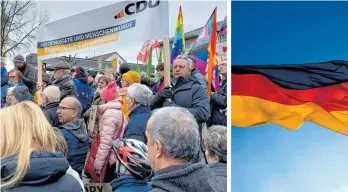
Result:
pixel 132 154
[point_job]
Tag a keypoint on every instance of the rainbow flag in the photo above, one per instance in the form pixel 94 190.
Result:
pixel 200 50
pixel 212 54
pixel 288 95
pixel 223 29
pixel 179 38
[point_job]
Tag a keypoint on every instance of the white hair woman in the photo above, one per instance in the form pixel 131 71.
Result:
pixel 138 98
pixel 29 161
pixel 17 94
pixel 50 98
pixel 215 144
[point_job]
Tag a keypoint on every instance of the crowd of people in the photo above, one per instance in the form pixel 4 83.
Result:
pixel 122 129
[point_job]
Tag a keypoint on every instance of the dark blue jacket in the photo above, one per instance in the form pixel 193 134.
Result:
pixel 219 106
pixel 82 90
pixel 92 88
pixel 136 126
pixel 4 85
pixel 50 111
pixel 189 94
pixel 77 150
pixel 47 172
pixel 187 177
pixel 130 184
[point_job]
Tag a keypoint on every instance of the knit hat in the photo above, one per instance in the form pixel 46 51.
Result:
pixel 18 58
pixel 131 77
pixel 79 70
pixel 109 93
pixel 21 93
pixel 92 74
pixel 81 74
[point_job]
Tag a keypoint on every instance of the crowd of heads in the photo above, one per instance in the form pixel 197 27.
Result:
pixel 172 133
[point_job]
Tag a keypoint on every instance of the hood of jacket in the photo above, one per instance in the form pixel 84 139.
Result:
pixel 45 167
pixel 77 128
pixel 61 80
pixel 187 177
pixel 110 105
pixel 127 181
pixel 220 169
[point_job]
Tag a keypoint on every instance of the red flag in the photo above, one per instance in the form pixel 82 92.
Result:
pixel 143 55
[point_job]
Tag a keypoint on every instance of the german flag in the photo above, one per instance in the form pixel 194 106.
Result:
pixel 288 95
pixel 119 15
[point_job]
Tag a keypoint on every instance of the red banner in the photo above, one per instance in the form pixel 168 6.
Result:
pixel 143 55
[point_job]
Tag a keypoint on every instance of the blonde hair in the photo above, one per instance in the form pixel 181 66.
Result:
pixel 24 129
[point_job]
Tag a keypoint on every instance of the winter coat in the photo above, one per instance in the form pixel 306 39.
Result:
pixel 66 86
pixel 4 86
pixel 76 175
pixel 200 78
pixel 29 77
pixel 129 184
pixel 136 126
pixel 220 170
pixel 75 134
pixel 157 87
pixel 187 177
pixel 219 105
pixel 82 91
pixel 50 110
pixel 47 172
pixel 110 121
pixel 189 94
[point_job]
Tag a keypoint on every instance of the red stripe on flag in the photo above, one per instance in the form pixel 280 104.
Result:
pixel 330 98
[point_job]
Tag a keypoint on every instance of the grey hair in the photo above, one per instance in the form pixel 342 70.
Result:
pixel 187 58
pixel 52 93
pixel 76 105
pixel 9 90
pixel 140 93
pixel 177 130
pixel 215 141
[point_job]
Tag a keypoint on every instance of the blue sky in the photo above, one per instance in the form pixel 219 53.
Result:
pixel 271 158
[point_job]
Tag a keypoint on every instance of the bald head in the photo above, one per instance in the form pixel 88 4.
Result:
pixel 69 109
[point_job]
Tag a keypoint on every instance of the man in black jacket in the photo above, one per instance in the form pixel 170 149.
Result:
pixel 29 73
pixel 219 99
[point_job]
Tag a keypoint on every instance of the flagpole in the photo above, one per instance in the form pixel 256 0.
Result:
pixel 157 53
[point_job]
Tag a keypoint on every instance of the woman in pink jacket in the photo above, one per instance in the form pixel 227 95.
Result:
pixel 111 123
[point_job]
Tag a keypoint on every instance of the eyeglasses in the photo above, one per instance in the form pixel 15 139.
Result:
pixel 65 108
pixel 12 77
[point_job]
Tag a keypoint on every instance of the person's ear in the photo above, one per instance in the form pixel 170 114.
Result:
pixel 159 149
